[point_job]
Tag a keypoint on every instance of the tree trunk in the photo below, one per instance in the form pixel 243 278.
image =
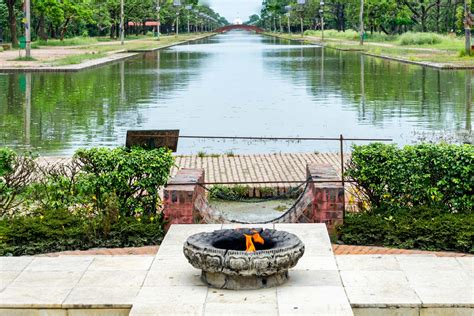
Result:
pixel 64 29
pixel 438 14
pixel 52 31
pixel 423 18
pixel 42 28
pixel 12 21
pixel 112 31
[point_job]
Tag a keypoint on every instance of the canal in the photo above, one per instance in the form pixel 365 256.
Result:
pixel 236 84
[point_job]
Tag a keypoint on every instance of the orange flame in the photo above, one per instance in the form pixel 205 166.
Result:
pixel 249 244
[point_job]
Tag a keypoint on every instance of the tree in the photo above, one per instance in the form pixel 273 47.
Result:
pixel 253 19
pixel 12 6
pixel 46 11
pixel 3 18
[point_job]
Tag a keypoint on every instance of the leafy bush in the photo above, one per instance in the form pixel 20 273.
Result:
pixel 414 228
pixel 134 176
pixel 60 230
pixel 16 174
pixel 352 35
pixel 102 198
pixel 462 53
pixel 234 193
pixel 74 41
pixel 436 175
pixel 411 38
pixel 56 187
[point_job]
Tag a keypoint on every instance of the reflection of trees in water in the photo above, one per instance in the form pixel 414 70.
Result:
pixel 468 87
pixel 377 89
pixel 88 107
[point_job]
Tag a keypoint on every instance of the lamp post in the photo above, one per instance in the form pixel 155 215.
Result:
pixel 468 21
pixel 158 21
pixel 270 20
pixel 122 28
pixel 288 15
pixel 361 22
pixel 27 29
pixel 301 4
pixel 189 8
pixel 321 11
pixel 177 4
pixel 196 25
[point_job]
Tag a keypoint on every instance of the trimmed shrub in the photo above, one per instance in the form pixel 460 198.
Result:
pixel 413 228
pixel 440 176
pixel 134 176
pixel 411 38
pixel 60 230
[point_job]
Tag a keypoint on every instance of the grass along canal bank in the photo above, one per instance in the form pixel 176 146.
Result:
pixel 424 49
pixel 79 53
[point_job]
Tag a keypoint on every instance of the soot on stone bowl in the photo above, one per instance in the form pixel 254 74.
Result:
pixel 225 263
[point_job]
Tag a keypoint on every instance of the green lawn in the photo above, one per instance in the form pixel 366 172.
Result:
pixel 417 47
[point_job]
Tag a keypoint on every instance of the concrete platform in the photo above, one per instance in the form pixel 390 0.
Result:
pixel 165 284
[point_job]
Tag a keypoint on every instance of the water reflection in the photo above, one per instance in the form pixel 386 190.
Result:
pixel 468 100
pixel 234 84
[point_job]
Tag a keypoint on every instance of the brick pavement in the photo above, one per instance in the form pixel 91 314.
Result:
pixel 248 168
pixel 257 167
pixel 338 250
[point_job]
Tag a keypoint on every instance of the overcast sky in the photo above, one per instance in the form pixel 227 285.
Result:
pixel 232 9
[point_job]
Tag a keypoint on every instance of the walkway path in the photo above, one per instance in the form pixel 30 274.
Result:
pixel 79 57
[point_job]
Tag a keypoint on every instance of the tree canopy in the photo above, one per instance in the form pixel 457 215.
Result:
pixel 65 18
pixel 388 16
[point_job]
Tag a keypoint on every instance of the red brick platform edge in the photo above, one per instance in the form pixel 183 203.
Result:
pixel 338 250
pixel 321 202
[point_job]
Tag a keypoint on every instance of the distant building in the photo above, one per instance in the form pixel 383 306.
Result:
pixel 140 27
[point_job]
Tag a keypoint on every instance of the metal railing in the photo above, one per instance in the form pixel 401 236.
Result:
pixel 340 139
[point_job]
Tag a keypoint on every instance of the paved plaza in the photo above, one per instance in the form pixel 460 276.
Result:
pixel 166 284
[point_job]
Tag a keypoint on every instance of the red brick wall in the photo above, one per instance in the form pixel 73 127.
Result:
pixel 328 198
pixel 179 199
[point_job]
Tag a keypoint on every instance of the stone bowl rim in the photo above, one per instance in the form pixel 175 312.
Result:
pixel 273 250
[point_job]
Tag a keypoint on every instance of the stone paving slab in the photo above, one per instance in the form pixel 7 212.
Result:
pixel 173 286
pixel 165 284
pixel 423 282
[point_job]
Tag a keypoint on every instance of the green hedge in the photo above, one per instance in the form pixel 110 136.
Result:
pixel 414 228
pixel 439 176
pixel 61 230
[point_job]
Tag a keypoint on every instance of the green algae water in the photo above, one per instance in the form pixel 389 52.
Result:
pixel 236 84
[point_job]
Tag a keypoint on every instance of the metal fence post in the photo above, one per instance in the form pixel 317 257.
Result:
pixel 341 140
